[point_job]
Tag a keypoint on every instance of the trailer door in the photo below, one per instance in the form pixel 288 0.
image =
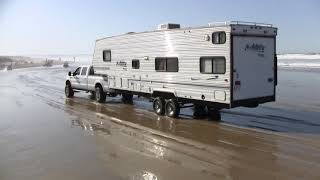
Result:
pixel 253 67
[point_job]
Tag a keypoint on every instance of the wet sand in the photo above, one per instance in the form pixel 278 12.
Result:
pixel 46 136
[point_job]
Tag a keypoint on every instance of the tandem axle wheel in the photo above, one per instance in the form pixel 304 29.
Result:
pixel 170 107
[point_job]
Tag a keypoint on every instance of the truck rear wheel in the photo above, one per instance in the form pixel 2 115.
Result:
pixel 172 108
pixel 92 94
pixel 158 106
pixel 100 96
pixel 68 91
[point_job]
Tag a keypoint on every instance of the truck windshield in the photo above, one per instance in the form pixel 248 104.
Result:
pixel 77 71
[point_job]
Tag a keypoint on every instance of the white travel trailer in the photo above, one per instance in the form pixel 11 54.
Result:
pixel 222 65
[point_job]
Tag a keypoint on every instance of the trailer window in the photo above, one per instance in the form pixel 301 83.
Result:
pixel 219 37
pixel 84 71
pixel 135 64
pixel 206 65
pixel 213 65
pixel 160 64
pixel 106 55
pixel 167 64
pixel 172 65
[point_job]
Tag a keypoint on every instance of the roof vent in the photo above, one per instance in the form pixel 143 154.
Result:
pixel 168 26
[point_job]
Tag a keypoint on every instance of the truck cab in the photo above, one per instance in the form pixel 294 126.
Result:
pixel 83 78
pixel 79 78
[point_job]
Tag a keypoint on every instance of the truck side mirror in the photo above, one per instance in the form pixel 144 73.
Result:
pixel 69 73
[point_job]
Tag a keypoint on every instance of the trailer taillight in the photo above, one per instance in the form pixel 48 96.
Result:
pixel 238 83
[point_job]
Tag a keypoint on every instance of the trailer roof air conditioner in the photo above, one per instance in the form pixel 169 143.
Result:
pixel 168 26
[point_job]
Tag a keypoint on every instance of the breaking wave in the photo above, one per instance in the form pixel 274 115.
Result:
pixel 299 61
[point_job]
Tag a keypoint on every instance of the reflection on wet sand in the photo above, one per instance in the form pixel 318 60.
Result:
pixel 136 143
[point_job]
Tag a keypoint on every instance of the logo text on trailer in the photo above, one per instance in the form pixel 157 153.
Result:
pixel 121 63
pixel 259 48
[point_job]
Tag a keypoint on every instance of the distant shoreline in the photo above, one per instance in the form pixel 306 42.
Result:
pixel 18 62
pixel 314 56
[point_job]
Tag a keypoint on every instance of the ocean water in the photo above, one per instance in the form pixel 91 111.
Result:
pixel 285 61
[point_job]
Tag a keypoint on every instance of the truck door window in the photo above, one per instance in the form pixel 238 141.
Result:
pixel 91 72
pixel 219 37
pixel 84 71
pixel 77 71
pixel 213 65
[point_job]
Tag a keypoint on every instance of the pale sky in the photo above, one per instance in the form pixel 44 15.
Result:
pixel 34 27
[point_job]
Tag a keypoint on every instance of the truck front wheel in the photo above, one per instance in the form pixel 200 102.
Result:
pixel 99 94
pixel 68 91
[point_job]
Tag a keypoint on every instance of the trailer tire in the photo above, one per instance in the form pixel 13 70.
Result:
pixel 199 111
pixel 214 114
pixel 127 97
pixel 158 106
pixel 172 108
pixel 100 96
pixel 69 91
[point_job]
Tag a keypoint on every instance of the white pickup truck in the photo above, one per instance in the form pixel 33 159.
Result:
pixel 84 79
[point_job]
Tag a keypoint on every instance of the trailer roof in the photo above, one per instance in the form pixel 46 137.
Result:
pixel 210 25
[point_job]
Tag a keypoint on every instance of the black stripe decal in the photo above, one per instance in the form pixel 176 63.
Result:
pixel 225 87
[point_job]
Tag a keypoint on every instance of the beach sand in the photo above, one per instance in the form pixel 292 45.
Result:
pixel 47 136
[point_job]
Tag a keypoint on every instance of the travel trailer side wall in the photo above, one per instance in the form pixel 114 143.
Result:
pixel 181 50
pixel 219 66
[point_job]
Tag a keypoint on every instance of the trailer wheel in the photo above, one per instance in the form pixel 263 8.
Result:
pixel 127 97
pixel 172 108
pixel 68 91
pixel 214 114
pixel 199 111
pixel 100 96
pixel 158 106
